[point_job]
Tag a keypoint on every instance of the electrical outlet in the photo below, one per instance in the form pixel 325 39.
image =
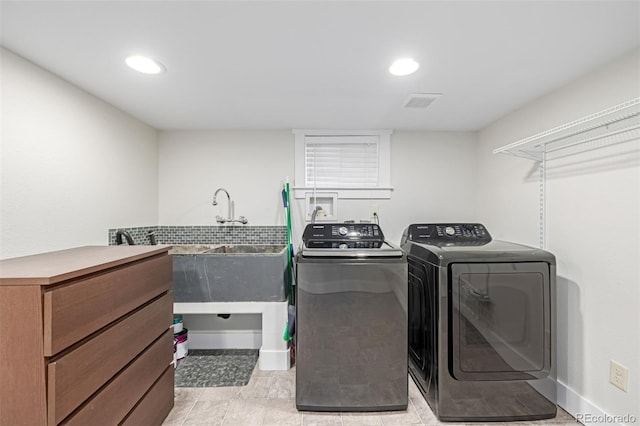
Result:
pixel 618 375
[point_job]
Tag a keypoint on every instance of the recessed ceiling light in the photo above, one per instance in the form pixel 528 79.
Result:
pixel 404 66
pixel 144 65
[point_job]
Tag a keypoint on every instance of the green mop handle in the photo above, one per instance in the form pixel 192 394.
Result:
pixel 290 244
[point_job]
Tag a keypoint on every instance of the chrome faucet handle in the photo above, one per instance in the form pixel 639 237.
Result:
pixel 244 220
pixel 220 219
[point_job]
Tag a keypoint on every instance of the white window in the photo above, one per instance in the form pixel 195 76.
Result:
pixel 354 164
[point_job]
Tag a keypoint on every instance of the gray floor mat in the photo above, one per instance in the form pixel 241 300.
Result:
pixel 216 368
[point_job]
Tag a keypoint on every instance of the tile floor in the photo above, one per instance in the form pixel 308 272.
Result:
pixel 269 400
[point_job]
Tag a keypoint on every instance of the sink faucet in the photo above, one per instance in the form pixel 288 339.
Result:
pixel 230 213
pixel 120 233
pixel 219 218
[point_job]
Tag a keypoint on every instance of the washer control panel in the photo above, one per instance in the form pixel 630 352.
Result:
pixel 436 233
pixel 343 235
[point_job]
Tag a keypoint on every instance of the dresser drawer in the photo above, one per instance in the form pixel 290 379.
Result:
pixel 117 398
pixel 72 312
pixel 79 373
pixel 156 404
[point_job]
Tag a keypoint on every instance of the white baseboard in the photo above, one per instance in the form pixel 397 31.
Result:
pixel 584 410
pixel 275 360
pixel 225 339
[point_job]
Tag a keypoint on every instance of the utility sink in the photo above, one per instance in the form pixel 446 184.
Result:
pixel 229 273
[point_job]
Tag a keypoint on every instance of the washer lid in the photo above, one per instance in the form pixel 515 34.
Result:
pixel 386 249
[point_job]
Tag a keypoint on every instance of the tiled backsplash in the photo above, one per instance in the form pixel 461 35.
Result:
pixel 205 234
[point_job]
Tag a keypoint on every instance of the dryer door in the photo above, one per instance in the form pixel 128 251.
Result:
pixel 500 321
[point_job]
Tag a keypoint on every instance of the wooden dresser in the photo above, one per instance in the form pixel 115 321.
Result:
pixel 85 337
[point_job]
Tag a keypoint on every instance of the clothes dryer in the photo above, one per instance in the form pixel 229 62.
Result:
pixel 481 324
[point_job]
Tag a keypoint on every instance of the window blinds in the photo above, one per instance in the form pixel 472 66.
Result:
pixel 341 161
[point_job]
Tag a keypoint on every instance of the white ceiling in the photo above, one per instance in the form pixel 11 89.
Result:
pixel 320 64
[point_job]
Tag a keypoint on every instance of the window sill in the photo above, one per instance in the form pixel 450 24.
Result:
pixel 346 193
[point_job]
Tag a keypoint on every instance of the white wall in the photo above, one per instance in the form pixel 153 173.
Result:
pixel 432 174
pixel 72 166
pixel 593 227
pixel 251 165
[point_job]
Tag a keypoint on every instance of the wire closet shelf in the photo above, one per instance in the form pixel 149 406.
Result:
pixel 618 124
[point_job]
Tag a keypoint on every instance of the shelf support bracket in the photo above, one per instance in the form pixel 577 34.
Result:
pixel 543 201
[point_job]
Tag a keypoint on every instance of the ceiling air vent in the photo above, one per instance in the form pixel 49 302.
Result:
pixel 421 100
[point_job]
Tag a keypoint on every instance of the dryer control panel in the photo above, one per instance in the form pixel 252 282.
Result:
pixel 439 233
pixel 343 235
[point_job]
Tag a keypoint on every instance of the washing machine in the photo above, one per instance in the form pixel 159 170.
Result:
pixel 351 320
pixel 481 324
